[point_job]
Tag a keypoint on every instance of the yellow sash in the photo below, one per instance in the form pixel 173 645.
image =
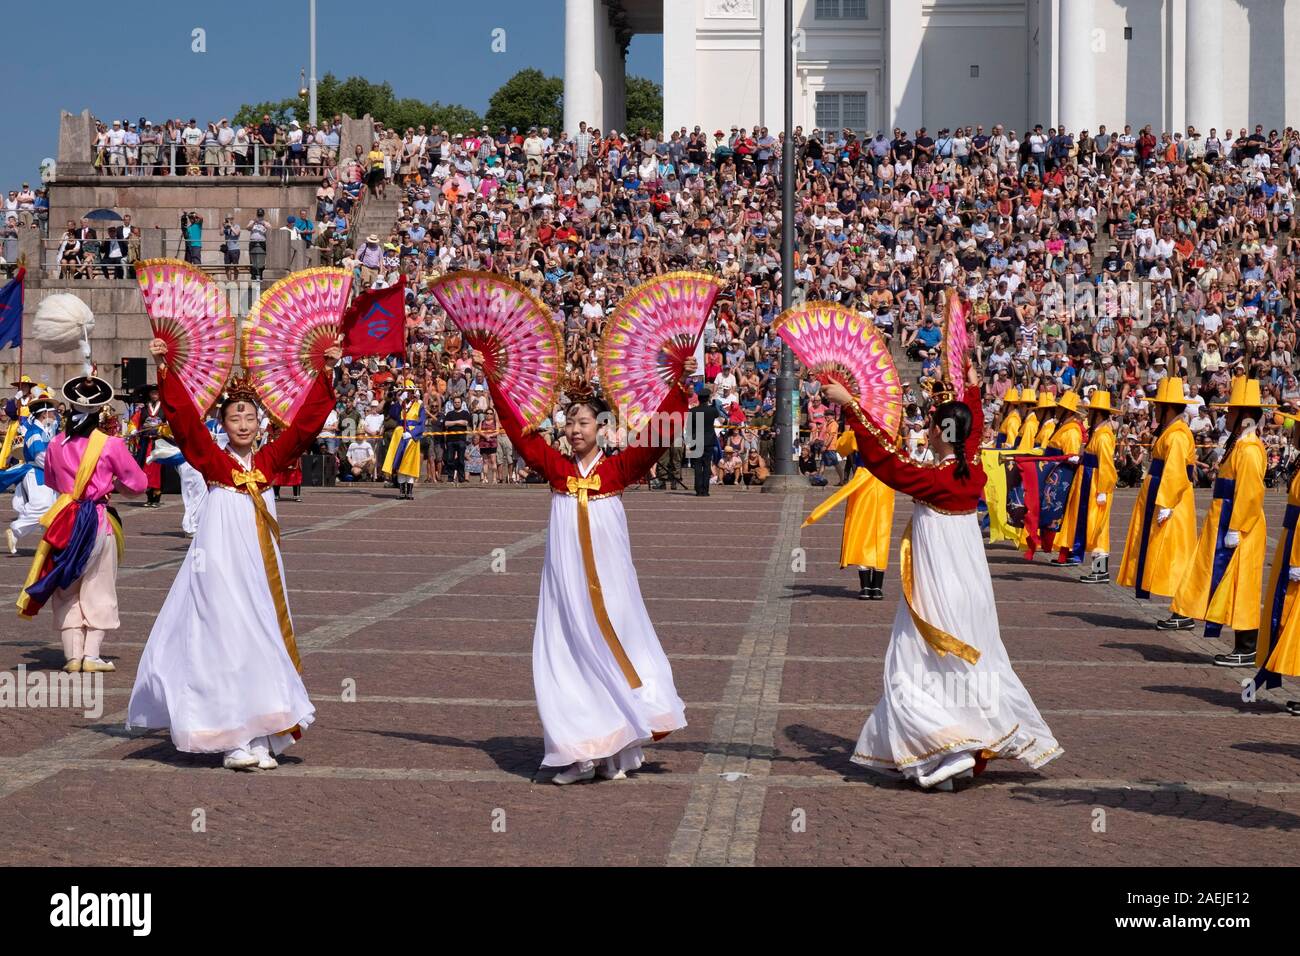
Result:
pixel 860 477
pixel 581 487
pixel 85 470
pixel 268 531
pixel 941 641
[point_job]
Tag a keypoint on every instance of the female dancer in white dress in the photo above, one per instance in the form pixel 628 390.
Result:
pixel 221 669
pixel 951 700
pixel 604 685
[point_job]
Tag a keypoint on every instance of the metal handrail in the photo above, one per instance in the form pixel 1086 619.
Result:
pixel 265 160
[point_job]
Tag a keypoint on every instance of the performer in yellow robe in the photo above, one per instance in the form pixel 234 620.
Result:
pixel 1162 531
pixel 402 461
pixel 1085 529
pixel 1224 580
pixel 1046 420
pixel 1029 427
pixel 868 521
pixel 1278 654
pixel 1009 429
pixel 1066 439
pixel 28 391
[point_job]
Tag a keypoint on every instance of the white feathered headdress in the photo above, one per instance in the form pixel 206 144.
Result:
pixel 63 322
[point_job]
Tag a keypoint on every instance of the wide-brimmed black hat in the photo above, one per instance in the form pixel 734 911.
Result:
pixel 87 393
pixel 36 406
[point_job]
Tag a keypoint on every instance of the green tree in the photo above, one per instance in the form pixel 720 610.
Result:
pixel 529 98
pixel 356 96
pixel 645 104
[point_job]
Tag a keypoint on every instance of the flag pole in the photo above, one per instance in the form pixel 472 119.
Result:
pixel 22 273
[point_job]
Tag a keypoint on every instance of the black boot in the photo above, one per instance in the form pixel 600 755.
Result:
pixel 1293 708
pixel 864 583
pixel 1100 573
pixel 1243 650
pixel 877 584
pixel 1176 623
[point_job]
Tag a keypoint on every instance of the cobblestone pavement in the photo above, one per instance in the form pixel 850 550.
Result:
pixel 426 611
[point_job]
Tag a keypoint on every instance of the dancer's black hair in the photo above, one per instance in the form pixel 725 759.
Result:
pixel 593 404
pixel 80 424
pixel 954 418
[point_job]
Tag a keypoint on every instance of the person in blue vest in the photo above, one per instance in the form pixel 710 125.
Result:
pixel 32 498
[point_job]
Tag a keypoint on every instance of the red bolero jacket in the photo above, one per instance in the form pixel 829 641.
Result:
pixel 616 472
pixel 218 465
pixel 932 484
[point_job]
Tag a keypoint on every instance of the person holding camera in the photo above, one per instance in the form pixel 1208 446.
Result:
pixel 258 229
pixel 192 228
pixel 230 247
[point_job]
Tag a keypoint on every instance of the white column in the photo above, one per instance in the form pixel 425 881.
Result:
pixel 1078 86
pixel 680 106
pixel 603 67
pixel 616 115
pixel 580 101
pixel 772 113
pixel 1205 64
pixel 903 64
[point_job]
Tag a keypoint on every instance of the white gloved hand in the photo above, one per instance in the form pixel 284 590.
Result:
pixel 1294 573
pixel 1163 515
pixel 1101 498
pixel 1231 539
pixel 1073 459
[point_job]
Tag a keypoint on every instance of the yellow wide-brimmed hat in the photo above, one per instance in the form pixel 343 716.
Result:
pixel 1244 394
pixel 1170 392
pixel 1069 401
pixel 1099 401
pixel 1028 396
pixel 1045 401
pixel 1011 396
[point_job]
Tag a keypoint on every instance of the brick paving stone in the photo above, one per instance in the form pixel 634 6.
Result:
pixel 399 597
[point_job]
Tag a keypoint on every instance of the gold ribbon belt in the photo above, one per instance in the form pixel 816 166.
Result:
pixel 581 487
pixel 941 641
pixel 251 483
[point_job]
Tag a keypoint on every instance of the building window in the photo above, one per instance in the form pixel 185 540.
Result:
pixel 974 70
pixel 841 9
pixel 835 111
pixel 1128 33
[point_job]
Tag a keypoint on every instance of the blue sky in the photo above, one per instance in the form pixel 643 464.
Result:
pixel 134 58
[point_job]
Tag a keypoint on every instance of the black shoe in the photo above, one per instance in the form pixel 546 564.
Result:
pixel 864 594
pixel 1234 660
pixel 876 594
pixel 1176 624
pixel 1093 578
pixel 1293 708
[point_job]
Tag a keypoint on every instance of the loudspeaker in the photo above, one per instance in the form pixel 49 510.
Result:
pixel 319 471
pixel 135 373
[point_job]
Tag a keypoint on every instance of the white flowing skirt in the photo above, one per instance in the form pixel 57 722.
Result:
pixel 934 707
pixel 588 711
pixel 31 500
pixel 215 672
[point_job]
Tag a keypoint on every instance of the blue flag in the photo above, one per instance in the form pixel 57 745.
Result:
pixel 11 312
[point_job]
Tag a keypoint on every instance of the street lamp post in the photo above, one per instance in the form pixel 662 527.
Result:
pixel 311 102
pixel 787 421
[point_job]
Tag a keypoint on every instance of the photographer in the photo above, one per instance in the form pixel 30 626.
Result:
pixel 192 228
pixel 258 229
pixel 230 246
